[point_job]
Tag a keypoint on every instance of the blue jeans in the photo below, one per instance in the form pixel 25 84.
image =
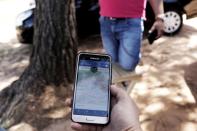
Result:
pixel 122 40
pixel 2 129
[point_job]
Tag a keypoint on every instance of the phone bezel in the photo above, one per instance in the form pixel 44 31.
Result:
pixel 85 118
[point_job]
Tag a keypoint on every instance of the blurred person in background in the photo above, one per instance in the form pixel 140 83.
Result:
pixel 121 24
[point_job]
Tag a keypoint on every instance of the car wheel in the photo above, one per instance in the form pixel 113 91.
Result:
pixel 173 22
pixel 26 36
pixel 21 39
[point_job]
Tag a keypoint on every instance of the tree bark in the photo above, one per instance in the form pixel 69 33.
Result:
pixel 191 79
pixel 52 61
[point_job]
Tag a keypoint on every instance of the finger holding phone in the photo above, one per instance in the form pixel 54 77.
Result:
pixel 124 114
pixel 158 25
pixel 156 30
pixel 93 97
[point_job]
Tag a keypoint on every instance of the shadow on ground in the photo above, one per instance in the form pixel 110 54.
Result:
pixel 164 99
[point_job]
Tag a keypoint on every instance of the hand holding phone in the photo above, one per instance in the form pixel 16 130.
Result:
pixel 119 115
pixel 152 36
pixel 91 100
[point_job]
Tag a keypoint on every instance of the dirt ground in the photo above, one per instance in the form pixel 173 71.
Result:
pixel 164 99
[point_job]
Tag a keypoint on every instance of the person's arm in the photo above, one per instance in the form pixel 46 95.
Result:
pixel 158 8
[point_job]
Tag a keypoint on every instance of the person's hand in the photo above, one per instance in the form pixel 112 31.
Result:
pixel 159 26
pixel 124 115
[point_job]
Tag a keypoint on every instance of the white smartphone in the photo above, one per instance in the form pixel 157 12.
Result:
pixel 91 97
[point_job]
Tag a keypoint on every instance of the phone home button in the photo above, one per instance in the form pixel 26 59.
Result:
pixel 88 119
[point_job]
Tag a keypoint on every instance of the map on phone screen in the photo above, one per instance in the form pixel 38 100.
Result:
pixel 92 88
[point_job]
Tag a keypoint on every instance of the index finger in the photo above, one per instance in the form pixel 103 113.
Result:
pixel 68 102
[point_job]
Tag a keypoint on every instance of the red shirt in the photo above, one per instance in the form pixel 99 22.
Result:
pixel 123 8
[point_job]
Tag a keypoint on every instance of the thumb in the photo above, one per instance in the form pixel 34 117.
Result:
pixel 118 92
pixel 152 29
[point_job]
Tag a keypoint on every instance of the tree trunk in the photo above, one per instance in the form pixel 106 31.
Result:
pixel 52 61
pixel 191 79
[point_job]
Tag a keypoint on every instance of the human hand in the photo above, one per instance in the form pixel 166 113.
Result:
pixel 159 26
pixel 124 114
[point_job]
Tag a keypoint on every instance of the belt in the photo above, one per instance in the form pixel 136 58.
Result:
pixel 114 18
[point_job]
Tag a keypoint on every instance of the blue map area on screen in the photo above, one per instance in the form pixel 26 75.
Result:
pixel 92 88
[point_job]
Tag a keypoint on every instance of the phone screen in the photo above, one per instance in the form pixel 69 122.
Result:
pixel 92 86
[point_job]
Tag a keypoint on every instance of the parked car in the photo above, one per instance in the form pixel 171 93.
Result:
pixel 87 14
pixel 24 26
pixel 173 20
